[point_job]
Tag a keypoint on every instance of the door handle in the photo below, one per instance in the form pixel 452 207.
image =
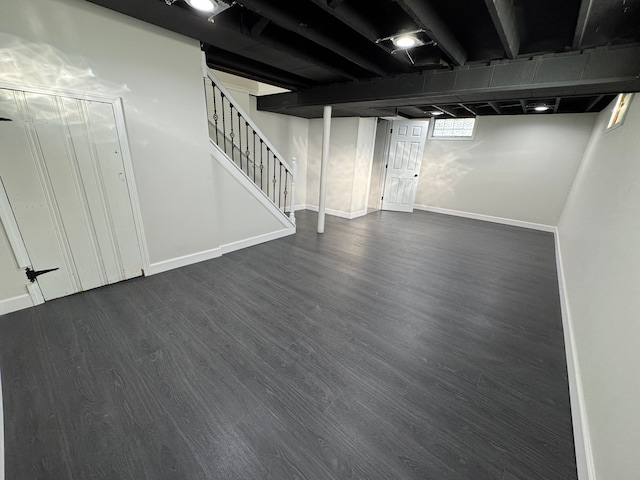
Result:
pixel 32 274
pixel 415 175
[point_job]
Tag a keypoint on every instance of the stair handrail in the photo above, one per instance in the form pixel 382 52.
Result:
pixel 220 86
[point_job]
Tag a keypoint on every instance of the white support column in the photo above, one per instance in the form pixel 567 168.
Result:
pixel 326 137
pixel 294 175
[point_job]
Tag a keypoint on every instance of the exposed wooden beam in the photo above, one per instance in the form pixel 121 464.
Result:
pixel 232 63
pixel 351 16
pixel 294 50
pixel 496 107
pixel 258 27
pixel 444 110
pixel 610 70
pixel 468 109
pixel 594 102
pixel 426 17
pixel 504 19
pixel 581 24
pixel 288 20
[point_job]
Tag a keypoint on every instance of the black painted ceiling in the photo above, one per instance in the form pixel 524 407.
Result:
pixel 308 45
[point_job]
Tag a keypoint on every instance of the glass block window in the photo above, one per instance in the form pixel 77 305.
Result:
pixel 453 127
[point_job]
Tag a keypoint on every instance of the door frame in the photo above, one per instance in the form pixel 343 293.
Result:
pixel 7 218
pixel 388 149
pixel 385 160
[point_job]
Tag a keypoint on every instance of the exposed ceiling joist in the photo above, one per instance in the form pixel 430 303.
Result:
pixel 350 16
pixel 285 19
pixel 556 105
pixel 523 105
pixel 258 27
pixel 594 102
pixel 504 18
pixel 428 19
pixel 232 63
pixel 581 25
pixel 602 70
pixel 317 45
pixel 496 107
pixel 448 111
pixel 468 109
pixel 294 51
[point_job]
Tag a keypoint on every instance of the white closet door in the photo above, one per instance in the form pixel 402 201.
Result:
pixel 64 175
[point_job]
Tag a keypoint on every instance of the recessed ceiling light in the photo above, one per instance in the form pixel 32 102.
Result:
pixel 202 5
pixel 405 41
pixel 543 107
pixel 435 113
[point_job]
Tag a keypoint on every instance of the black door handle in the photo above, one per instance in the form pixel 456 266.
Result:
pixel 32 274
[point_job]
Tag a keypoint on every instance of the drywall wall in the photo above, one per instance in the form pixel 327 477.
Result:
pixel 340 171
pixel 255 222
pixel 349 169
pixel 517 167
pixel 599 238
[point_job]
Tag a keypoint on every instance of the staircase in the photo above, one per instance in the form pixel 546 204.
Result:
pixel 233 134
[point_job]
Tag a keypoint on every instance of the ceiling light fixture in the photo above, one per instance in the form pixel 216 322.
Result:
pixel 203 5
pixel 436 113
pixel 542 107
pixel 405 41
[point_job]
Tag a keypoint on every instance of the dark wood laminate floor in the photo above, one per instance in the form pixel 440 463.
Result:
pixel 394 346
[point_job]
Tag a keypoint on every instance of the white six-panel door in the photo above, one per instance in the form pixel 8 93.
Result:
pixel 405 157
pixel 63 172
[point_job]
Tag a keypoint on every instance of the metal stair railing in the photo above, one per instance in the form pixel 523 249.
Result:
pixel 233 131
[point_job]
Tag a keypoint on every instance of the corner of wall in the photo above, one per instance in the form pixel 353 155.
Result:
pixel 582 440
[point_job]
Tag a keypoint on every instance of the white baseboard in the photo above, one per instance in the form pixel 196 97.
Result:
pixel 250 242
pixel 582 439
pixel 183 261
pixel 14 304
pixel 335 213
pixel 487 218
pixel 192 258
pixel 1 432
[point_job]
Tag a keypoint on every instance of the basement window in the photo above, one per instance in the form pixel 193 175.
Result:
pixel 453 128
pixel 619 111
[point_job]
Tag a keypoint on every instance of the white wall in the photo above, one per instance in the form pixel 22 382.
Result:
pixel 599 237
pixel 517 167
pixel 241 205
pixel 349 169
